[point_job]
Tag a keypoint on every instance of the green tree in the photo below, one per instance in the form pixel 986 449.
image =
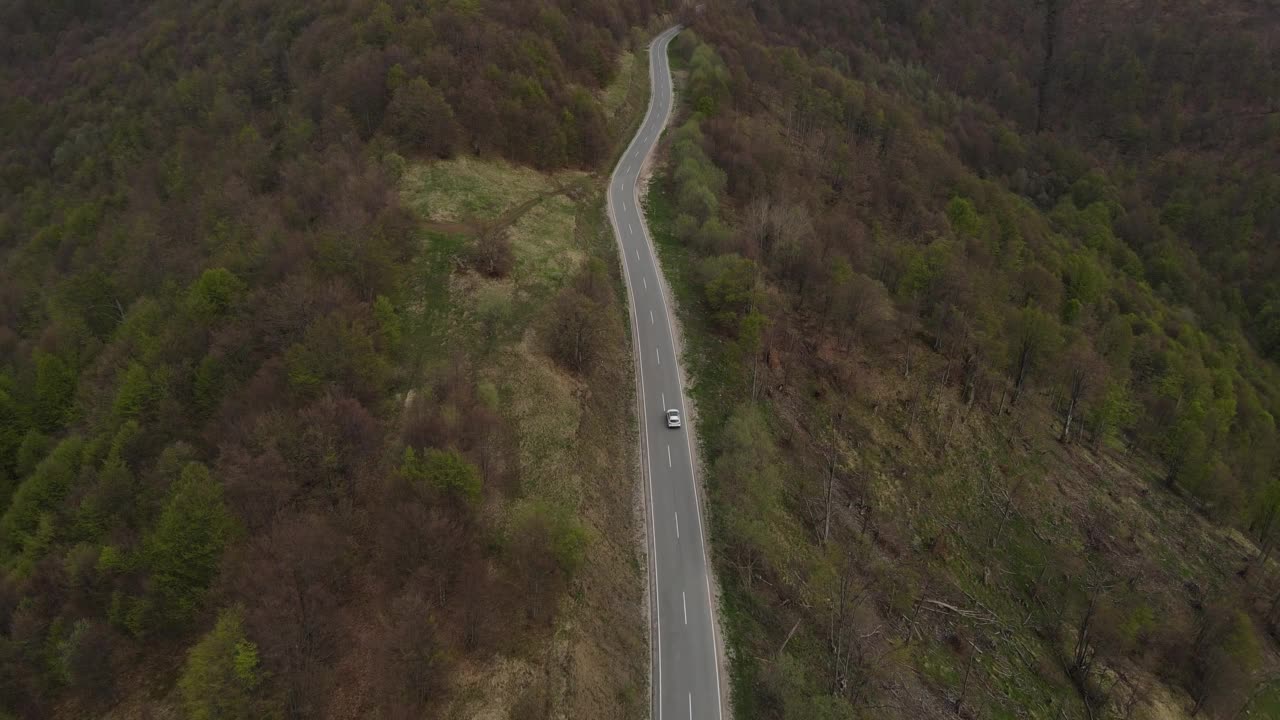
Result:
pixel 964 217
pixel 748 344
pixel 577 329
pixel 796 688
pixel 748 468
pixel 336 349
pixel 389 324
pixel 1113 412
pixel 1266 324
pixel 207 386
pixel 222 673
pixel 708 81
pixel 730 288
pixel 40 495
pixel 214 294
pixel 184 548
pixel 33 448
pixel 1084 278
pixel 444 471
pixel 134 392
pixel 421 119
pixel 553 530
pixel 1227 656
pixel 55 391
pixel 1034 334
pixel 12 430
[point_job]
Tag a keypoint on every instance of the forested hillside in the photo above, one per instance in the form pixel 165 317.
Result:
pixel 240 476
pixel 980 305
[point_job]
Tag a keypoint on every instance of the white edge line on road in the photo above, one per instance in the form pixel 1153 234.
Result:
pixel 715 645
pixel 655 648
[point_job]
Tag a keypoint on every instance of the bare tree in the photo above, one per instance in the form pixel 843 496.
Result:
pixel 1084 372
pixel 576 330
pixel 850 656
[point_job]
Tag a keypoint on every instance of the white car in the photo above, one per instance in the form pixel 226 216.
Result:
pixel 673 418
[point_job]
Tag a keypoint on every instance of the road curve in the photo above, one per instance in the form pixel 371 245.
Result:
pixel 686 668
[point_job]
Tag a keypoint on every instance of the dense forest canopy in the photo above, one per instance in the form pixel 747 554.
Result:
pixel 1180 95
pixel 204 260
pixel 984 303
pixel 982 298
pixel 1152 241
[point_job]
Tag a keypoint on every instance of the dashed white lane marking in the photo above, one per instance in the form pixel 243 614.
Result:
pixel 630 229
pixel 664 400
pixel 685 606
pixel 650 317
pixel 690 696
pixel 677 526
pixel 645 280
pixel 638 257
pixel 668 456
pixel 657 355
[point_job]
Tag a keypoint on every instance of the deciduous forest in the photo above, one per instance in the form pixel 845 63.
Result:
pixel 312 348
pixel 980 300
pixel 217 498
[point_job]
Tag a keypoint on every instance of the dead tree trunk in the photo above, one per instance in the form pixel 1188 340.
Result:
pixel 964 684
pixel 1024 364
pixel 1073 397
pixel 829 491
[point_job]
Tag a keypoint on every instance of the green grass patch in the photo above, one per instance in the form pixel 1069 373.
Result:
pixel 430 305
pixel 467 188
pixel 630 74
pixel 545 251
pixel 1266 704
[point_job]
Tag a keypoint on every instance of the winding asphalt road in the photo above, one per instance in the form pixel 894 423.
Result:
pixel 686 668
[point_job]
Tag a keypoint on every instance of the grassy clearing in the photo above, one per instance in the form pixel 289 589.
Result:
pixel 630 67
pixel 497 319
pixel 574 435
pixel 541 401
pixel 450 311
pixel 468 188
pixel 543 241
pixel 1266 704
pixel 570 433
